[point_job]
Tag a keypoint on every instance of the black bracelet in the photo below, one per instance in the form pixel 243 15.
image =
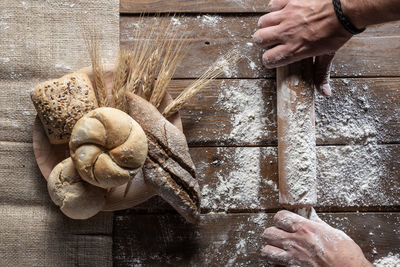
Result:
pixel 343 19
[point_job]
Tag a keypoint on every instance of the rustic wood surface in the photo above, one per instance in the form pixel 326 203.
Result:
pixel 207 122
pixel 366 82
pixel 231 239
pixel 192 6
pixel 357 128
pixel 376 52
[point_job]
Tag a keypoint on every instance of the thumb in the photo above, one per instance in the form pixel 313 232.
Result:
pixel 314 216
pixel 322 68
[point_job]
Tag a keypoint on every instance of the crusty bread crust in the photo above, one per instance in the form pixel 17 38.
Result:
pixel 108 147
pixel 168 167
pixel 60 103
pixel 76 198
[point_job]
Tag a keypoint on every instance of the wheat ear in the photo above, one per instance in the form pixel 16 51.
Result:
pixel 92 38
pixel 219 67
pixel 175 51
pixel 120 79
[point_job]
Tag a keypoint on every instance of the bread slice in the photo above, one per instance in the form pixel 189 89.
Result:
pixel 60 103
pixel 168 167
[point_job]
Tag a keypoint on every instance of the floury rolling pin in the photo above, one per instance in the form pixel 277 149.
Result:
pixel 296 137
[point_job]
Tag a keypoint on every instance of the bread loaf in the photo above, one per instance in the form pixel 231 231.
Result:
pixel 168 167
pixel 108 147
pixel 76 198
pixel 62 102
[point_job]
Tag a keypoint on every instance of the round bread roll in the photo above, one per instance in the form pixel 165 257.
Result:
pixel 108 147
pixel 76 198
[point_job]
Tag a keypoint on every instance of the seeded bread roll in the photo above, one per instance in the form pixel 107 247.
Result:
pixel 76 198
pixel 108 147
pixel 62 102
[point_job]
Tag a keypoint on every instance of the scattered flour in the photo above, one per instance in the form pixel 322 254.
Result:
pixel 260 219
pixel 341 119
pixel 175 21
pixel 5 59
pixel 3 21
pixel 210 20
pixel 391 260
pixel 245 102
pixel 230 70
pixel 240 188
pixel 253 65
pixel 25 5
pixel 62 66
pixel 241 246
pixel 356 176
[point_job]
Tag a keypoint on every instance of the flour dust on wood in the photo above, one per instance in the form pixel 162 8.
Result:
pixel 358 176
pixel 391 260
pixel 240 184
pixel 247 106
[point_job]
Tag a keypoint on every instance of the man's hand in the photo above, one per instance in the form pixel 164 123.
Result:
pixel 295 240
pixel 298 29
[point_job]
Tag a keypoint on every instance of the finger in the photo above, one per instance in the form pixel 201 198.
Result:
pixel 275 255
pixel 288 221
pixel 276 237
pixel 322 68
pixel 278 56
pixel 275 5
pixel 270 19
pixel 267 37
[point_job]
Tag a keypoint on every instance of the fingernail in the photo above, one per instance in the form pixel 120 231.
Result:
pixel 266 62
pixel 271 63
pixel 256 39
pixel 326 89
pixel 259 23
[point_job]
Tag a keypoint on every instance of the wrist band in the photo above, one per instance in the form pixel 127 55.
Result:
pixel 343 19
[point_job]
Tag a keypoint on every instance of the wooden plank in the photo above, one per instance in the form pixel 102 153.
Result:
pixel 232 239
pixel 192 6
pixel 373 53
pixel 243 112
pixel 245 179
pixel 242 179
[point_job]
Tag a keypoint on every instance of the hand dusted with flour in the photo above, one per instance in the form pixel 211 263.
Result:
pixel 296 241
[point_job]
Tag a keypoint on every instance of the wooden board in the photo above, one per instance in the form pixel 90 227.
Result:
pixel 231 239
pixel 192 6
pixel 350 178
pixel 373 53
pixel 221 171
pixel 364 110
pixel 360 110
pixel 224 112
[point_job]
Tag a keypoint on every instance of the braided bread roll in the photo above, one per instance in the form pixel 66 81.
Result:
pixel 108 147
pixel 76 198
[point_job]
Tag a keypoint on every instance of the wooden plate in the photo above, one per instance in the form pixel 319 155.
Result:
pixel 48 156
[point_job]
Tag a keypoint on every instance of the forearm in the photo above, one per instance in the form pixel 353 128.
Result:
pixel 363 13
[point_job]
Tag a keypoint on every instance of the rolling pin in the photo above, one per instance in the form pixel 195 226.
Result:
pixel 296 137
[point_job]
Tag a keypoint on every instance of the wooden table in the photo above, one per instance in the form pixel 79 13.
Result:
pixel 358 135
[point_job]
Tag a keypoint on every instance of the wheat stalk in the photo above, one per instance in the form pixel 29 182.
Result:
pixel 120 79
pixel 219 67
pixel 175 51
pixel 91 38
pixel 150 76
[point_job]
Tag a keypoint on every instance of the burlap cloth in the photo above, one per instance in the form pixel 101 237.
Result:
pixel 40 40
